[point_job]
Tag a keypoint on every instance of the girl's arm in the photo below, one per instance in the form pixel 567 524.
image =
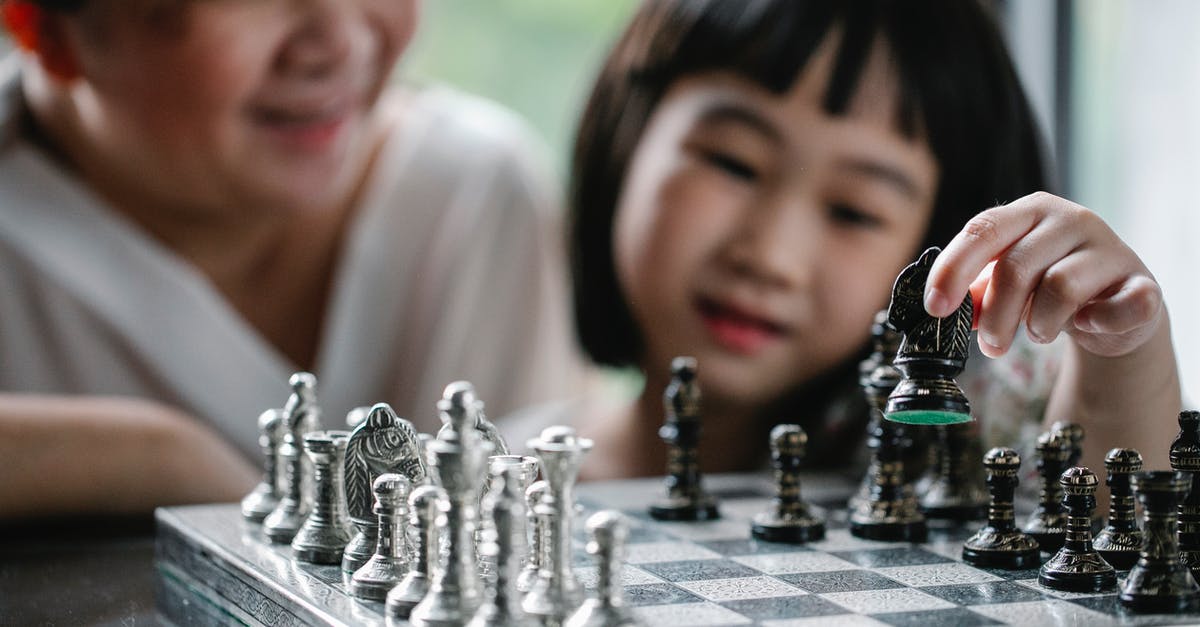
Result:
pixel 68 455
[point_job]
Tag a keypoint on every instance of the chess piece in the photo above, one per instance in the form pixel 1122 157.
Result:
pixel 789 518
pixel 1120 542
pixel 1159 583
pixel 526 469
pixel 607 531
pixel 556 593
pixel 300 416
pixel 461 410
pixel 539 534
pixel 326 530
pixel 891 512
pixel 504 506
pixel 457 464
pixel 265 497
pixel 382 443
pixel 391 559
pixel 1185 456
pixel 1000 544
pixel 956 491
pixel 686 498
pixel 876 375
pixel 426 503
pixel 1074 434
pixel 1048 522
pixel 1077 567
pixel 932 352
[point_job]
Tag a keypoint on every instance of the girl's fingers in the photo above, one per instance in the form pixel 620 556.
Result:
pixel 1068 285
pixel 1135 303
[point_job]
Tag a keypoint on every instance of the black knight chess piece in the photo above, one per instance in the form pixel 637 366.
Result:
pixel 686 498
pixel 789 519
pixel 1185 456
pixel 1159 582
pixel 1048 522
pixel 1120 542
pixel 1077 567
pixel 1000 544
pixel 932 353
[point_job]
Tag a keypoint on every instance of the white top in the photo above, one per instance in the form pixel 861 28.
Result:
pixel 451 270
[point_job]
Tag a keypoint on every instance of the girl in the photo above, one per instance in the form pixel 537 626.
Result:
pixel 199 198
pixel 751 176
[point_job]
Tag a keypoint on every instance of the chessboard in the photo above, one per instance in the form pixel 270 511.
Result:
pixel 215 568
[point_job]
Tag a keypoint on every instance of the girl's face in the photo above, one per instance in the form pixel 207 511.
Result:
pixel 235 103
pixel 760 234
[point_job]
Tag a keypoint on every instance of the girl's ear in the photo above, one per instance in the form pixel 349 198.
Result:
pixel 38 32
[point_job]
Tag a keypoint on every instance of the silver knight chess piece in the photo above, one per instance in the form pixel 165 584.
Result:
pixel 686 498
pixel 265 497
pixel 504 508
pixel 300 416
pixel 1000 544
pixel 326 530
pixel 607 533
pixel 789 518
pixel 556 592
pixel 426 503
pixel 382 443
pixel 1120 542
pixel 392 559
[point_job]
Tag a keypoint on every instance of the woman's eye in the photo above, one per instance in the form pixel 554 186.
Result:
pixel 731 165
pixel 845 214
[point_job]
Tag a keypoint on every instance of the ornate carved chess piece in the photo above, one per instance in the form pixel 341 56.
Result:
pixel 504 507
pixel 1185 456
pixel 539 534
pixel 526 469
pixel 300 416
pixel 1048 522
pixel 932 353
pixel 1074 433
pixel 1000 544
pixel 956 491
pixel 789 518
pixel 1159 582
pixel 1077 567
pixel 1120 542
pixel 265 498
pixel 461 410
pixel 425 504
pixel 886 342
pixel 391 560
pixel 326 530
pixel 890 511
pixel 686 498
pixel 608 532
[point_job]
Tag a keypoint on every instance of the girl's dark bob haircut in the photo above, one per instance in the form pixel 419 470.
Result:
pixel 958 89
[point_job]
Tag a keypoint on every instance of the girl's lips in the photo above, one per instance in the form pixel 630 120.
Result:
pixel 304 132
pixel 737 330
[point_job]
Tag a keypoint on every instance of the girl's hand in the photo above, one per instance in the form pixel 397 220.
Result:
pixel 1053 265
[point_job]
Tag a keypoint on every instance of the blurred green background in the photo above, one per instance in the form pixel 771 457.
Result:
pixel 537 57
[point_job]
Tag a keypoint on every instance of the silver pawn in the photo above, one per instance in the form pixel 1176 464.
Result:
pixel 556 592
pixel 505 507
pixel 265 498
pixel 534 495
pixel 301 415
pixel 424 505
pixel 391 559
pixel 324 534
pixel 607 532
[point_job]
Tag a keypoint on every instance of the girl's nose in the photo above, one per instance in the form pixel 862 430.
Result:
pixel 776 245
pixel 323 39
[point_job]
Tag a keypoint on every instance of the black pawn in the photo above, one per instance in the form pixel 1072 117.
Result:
pixel 1077 567
pixel 1159 582
pixel 877 377
pixel 956 492
pixel 1048 522
pixel 1074 433
pixel 1185 456
pixel 790 519
pixel 686 498
pixel 1120 542
pixel 1000 544
pixel 890 512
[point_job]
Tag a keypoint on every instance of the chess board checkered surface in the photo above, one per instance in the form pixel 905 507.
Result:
pixel 215 568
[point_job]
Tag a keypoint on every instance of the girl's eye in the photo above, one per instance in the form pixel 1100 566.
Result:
pixel 850 216
pixel 731 165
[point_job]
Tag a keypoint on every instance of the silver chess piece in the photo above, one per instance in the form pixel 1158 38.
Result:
pixel 265 497
pixel 556 592
pixel 426 503
pixel 526 468
pixel 789 518
pixel 300 416
pixel 607 531
pixel 326 530
pixel 458 466
pixel 461 410
pixel 382 443
pixel 505 508
pixel 356 417
pixel 534 495
pixel 391 559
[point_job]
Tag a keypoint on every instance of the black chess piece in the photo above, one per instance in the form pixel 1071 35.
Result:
pixel 1000 544
pixel 1120 542
pixel 1077 567
pixel 876 376
pixel 932 353
pixel 686 498
pixel 1048 522
pixel 1159 582
pixel 956 492
pixel 1074 433
pixel 789 519
pixel 890 513
pixel 1185 456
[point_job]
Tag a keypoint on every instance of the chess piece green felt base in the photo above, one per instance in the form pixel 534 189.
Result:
pixel 928 417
